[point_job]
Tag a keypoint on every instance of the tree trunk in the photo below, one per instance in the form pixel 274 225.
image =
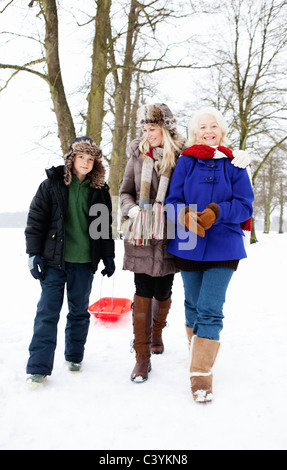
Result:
pixel 267 222
pixel 135 106
pixel 253 238
pixel 122 107
pixel 96 112
pixel 66 129
pixel 281 219
pixel 281 200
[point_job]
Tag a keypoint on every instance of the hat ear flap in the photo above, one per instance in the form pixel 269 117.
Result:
pixel 98 174
pixel 68 171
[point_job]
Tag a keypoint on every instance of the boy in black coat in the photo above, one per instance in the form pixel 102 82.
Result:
pixel 68 232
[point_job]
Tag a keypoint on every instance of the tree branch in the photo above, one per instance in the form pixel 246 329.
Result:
pixel 24 68
pixel 275 146
pixel 9 3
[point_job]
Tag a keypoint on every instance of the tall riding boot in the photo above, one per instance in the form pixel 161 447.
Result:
pixel 142 321
pixel 160 312
pixel 203 356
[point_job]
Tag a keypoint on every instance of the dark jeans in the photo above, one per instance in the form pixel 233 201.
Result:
pixel 78 278
pixel 158 287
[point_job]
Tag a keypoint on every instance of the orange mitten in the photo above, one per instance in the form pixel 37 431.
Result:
pixel 208 216
pixel 192 223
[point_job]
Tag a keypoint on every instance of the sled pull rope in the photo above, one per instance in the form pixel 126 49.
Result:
pixel 101 288
pixel 113 289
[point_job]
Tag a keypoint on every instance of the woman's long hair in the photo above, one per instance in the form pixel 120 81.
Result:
pixel 172 147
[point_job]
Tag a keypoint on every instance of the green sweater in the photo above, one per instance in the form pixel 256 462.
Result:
pixel 77 223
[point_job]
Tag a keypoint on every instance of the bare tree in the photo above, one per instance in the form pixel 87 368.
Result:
pixel 121 50
pixel 281 190
pixel 96 98
pixel 66 129
pixel 282 200
pixel 144 54
pixel 250 83
pixel 52 76
pixel 267 190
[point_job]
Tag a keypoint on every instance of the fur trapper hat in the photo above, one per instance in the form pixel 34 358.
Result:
pixel 85 145
pixel 158 113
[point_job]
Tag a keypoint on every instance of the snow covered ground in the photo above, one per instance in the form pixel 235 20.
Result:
pixel 101 409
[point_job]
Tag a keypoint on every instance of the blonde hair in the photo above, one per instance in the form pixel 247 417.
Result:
pixel 171 148
pixel 193 124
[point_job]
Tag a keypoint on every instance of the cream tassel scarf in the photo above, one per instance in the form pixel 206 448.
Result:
pixel 150 221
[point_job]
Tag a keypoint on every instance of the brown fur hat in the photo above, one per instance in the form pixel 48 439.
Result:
pixel 158 113
pixel 85 145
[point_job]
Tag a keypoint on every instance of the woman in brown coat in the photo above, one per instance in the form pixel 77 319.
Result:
pixel 143 192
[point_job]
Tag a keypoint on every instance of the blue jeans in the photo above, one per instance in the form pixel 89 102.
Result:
pixel 79 279
pixel 204 299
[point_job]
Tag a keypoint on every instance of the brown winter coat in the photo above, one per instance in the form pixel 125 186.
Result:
pixel 153 259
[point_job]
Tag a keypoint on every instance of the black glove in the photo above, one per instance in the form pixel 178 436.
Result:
pixel 109 266
pixel 37 267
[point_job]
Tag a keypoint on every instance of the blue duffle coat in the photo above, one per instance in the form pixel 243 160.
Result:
pixel 197 183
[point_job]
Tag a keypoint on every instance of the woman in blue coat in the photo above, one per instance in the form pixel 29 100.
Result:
pixel 209 200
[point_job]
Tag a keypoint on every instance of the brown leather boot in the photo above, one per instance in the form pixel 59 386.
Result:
pixel 141 369
pixel 142 321
pixel 160 312
pixel 203 356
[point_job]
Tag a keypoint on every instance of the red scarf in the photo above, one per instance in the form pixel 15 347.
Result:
pixel 204 152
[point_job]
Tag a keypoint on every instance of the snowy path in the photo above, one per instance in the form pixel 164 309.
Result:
pixel 102 409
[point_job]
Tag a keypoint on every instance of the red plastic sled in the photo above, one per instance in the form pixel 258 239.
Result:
pixel 111 309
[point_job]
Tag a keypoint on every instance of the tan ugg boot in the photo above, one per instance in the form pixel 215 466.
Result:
pixel 203 356
pixel 142 322
pixel 189 334
pixel 160 312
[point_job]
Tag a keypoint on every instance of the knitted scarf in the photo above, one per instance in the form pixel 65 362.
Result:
pixel 150 221
pixel 204 152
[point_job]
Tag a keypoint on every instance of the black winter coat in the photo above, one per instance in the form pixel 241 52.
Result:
pixel 45 230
